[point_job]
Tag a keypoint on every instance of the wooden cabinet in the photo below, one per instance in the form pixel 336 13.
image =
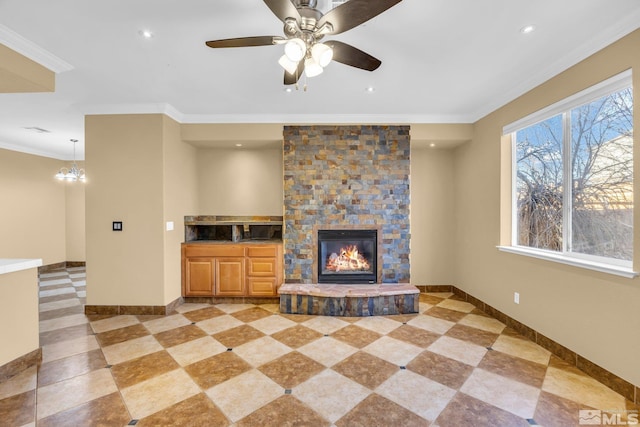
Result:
pixel 233 270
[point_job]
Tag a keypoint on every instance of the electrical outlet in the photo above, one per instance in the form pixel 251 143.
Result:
pixel 516 297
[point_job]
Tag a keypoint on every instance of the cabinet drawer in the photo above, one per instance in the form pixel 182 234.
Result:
pixel 262 251
pixel 213 251
pixel 261 267
pixel 261 286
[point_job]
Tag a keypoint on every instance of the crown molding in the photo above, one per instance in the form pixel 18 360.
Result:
pixel 27 48
pixel 178 116
pixel 29 150
pixel 151 108
pixel 325 118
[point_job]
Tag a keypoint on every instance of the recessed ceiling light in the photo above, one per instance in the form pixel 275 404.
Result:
pixel 432 145
pixel 146 34
pixel 238 145
pixel 370 89
pixel 528 29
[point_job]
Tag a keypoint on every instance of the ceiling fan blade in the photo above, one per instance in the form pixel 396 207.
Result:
pixel 283 9
pixel 353 13
pixel 245 41
pixel 349 55
pixel 290 79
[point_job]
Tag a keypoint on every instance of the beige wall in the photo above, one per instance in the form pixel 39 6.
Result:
pixel 180 199
pixel 21 74
pixel 19 314
pixel 594 314
pixel 75 221
pixel 32 216
pixel 240 181
pixel 432 219
pixel 141 174
pixel 124 154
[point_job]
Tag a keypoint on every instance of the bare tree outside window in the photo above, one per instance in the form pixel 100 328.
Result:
pixel 540 185
pixel 599 191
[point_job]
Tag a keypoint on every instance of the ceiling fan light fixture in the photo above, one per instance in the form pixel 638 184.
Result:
pixel 295 49
pixel 312 68
pixel 287 64
pixel 322 53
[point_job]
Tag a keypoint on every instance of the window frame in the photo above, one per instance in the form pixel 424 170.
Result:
pixel 564 107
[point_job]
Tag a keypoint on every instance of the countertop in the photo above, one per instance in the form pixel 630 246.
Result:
pixel 10 265
pixel 229 242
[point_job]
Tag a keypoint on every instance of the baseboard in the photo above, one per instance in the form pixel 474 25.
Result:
pixel 614 382
pixel 18 365
pixel 233 300
pixel 70 264
pixel 434 288
pixel 60 265
pixel 136 310
pixel 51 267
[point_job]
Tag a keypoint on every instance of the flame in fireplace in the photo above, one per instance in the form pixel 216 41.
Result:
pixel 349 259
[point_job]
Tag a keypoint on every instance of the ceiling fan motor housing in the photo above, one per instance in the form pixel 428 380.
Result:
pixel 305 3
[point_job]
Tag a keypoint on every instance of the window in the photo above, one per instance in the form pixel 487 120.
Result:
pixel 573 177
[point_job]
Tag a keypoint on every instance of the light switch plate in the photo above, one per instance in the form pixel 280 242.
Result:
pixel 169 225
pixel 117 226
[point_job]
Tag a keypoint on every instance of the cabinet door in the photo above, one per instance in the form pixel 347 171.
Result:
pixel 229 276
pixel 261 286
pixel 199 277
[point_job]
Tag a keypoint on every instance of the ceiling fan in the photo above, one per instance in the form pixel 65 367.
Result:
pixel 304 28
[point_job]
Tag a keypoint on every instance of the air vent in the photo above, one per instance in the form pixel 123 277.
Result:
pixel 37 129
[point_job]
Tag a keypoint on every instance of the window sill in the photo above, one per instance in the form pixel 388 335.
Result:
pixel 575 262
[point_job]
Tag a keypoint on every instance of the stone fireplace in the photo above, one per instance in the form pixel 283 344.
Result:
pixel 346 177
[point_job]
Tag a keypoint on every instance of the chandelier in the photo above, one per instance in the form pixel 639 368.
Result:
pixel 73 173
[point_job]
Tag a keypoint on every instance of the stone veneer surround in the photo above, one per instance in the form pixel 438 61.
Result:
pixel 337 176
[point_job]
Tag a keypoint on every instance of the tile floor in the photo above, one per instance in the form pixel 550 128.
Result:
pixel 246 365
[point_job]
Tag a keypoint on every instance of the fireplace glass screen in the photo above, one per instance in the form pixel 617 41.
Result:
pixel 347 256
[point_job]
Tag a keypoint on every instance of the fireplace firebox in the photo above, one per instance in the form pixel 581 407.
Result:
pixel 347 256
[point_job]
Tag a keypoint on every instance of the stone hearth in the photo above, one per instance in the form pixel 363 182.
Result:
pixel 348 300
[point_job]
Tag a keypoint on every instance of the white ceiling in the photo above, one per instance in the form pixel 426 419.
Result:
pixel 443 61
